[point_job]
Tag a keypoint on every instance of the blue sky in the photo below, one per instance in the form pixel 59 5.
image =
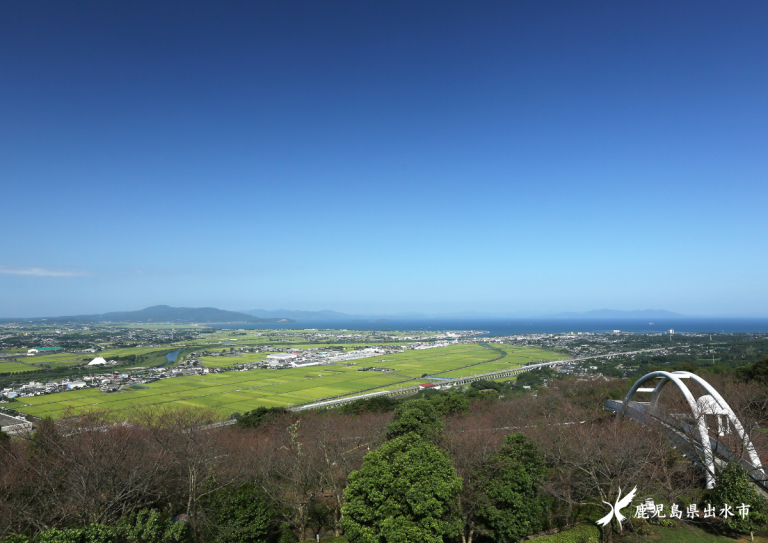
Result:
pixel 384 156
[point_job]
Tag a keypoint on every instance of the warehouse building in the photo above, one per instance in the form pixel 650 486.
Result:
pixel 278 359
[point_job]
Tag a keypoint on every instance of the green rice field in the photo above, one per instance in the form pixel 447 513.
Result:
pixel 230 361
pixel 225 393
pixel 415 363
pixel 516 357
pixel 60 360
pixel 14 367
pixel 235 391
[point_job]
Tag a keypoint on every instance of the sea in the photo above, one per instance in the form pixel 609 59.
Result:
pixel 507 327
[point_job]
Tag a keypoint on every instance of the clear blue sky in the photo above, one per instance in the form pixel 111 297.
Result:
pixel 384 156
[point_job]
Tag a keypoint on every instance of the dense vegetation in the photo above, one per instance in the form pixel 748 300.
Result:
pixel 492 463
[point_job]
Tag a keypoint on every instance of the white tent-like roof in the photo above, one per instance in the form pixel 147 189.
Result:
pixel 98 361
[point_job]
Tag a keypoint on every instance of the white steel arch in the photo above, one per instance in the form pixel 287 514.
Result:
pixel 711 403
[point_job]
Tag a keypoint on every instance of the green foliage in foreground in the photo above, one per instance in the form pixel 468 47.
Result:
pixel 734 488
pixel 259 416
pixel 151 527
pixel 405 491
pixel 416 416
pixel 446 403
pixel 450 403
pixel 239 514
pixel 510 506
pixel 583 533
pixel 141 527
pixel 376 404
pixel 535 378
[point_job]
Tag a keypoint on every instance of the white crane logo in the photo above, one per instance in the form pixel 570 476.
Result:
pixel 621 503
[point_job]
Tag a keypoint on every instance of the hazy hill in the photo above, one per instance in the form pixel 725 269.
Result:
pixel 164 313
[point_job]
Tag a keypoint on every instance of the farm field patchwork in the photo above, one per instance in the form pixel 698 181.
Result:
pixel 60 360
pixel 15 367
pixel 224 346
pixel 516 357
pixel 225 393
pixel 227 361
pixel 416 363
pixel 239 391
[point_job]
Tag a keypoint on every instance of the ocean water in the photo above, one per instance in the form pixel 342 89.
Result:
pixel 504 327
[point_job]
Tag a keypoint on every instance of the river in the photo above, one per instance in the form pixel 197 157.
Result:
pixel 172 356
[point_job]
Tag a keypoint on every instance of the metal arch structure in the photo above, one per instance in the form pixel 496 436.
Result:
pixel 711 403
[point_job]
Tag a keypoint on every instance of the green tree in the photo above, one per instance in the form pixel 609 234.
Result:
pixel 734 488
pixel 235 515
pixel 482 384
pixel 534 378
pixel 757 371
pixel 259 416
pixel 405 492
pixel 15 539
pixel 375 404
pixel 286 534
pixel 94 533
pixel 4 437
pixel 147 526
pixel 416 416
pixel 451 403
pixel 510 506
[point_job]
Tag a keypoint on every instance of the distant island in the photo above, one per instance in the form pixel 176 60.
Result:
pixel 163 313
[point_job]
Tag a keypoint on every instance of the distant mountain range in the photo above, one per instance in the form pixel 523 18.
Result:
pixel 164 313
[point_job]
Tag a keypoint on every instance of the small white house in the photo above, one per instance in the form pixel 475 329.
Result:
pixel 98 361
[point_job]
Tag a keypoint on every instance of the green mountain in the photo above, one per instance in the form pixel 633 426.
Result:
pixel 164 313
